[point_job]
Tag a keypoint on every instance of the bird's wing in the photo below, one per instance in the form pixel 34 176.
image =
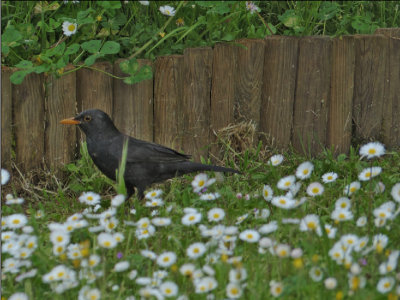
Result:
pixel 142 151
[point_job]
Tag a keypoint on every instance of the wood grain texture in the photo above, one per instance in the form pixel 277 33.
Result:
pixel 222 90
pixel 133 105
pixel 197 70
pixel 249 78
pixel 6 118
pixel 60 140
pixel 168 100
pixel 312 94
pixel 342 89
pixel 371 52
pixel 28 105
pixel 391 111
pixel 278 90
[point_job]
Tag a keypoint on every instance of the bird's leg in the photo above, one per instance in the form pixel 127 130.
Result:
pixel 140 193
pixel 130 190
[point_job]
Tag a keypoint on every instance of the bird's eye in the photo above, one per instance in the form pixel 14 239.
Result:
pixel 87 118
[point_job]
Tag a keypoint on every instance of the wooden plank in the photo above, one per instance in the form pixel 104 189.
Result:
pixel 312 94
pixel 6 118
pixel 60 141
pixel 371 52
pixel 133 105
pixel 278 90
pixel 342 89
pixel 168 99
pixel 28 105
pixel 196 97
pixel 94 89
pixel 391 111
pixel 249 79
pixel 222 91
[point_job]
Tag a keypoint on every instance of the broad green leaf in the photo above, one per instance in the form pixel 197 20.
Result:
pixel 24 64
pixel 109 4
pixel 110 47
pixel 92 46
pixel 5 49
pixel 129 66
pixel 18 76
pixel 41 68
pixel 10 35
pixel 72 49
pixel 144 73
pixel 92 58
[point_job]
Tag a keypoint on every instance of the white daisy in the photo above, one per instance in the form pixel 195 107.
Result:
pixel 167 10
pixel 276 160
pixel 144 233
pixel 153 194
pixel 215 214
pixel 267 193
pixel 148 254
pixel 284 202
pixel 90 198
pixel 166 259
pixel 385 284
pixel 209 196
pixel 161 221
pixel 330 283
pixel 311 223
pixel 304 170
pixel 282 250
pixel 330 231
pixel 361 221
pixel 155 202
pixel 286 182
pixel 351 188
pixel 18 296
pixel 250 236
pixel 373 149
pixel 396 192
pixel 191 219
pixel 276 288
pixel 5 176
pixel 329 177
pixel 343 203
pixel 146 3
pixel 69 28
pixel 234 290
pixel 201 182
pixel 196 250
pixel 315 189
pixel 316 274
pixel 369 173
pixel 268 228
pixel 237 275
pixel 121 266
pixel 340 215
pixel 169 289
pixel 106 240
pixel 16 221
pixel 187 269
pixel 117 200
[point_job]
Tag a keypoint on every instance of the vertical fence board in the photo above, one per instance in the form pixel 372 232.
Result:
pixel 249 78
pixel 342 89
pixel 278 91
pixel 312 94
pixel 391 111
pixel 197 66
pixel 371 52
pixel 6 118
pixel 168 96
pixel 95 89
pixel 133 105
pixel 28 105
pixel 60 140
pixel 222 90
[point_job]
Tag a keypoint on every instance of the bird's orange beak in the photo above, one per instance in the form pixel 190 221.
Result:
pixel 70 121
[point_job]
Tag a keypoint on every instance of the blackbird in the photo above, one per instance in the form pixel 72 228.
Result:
pixel 146 162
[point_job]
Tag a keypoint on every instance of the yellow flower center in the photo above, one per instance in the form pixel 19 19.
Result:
pixel 166 259
pixel 368 174
pixel 60 274
pixel 216 216
pixel 234 291
pixel 372 151
pixel 353 189
pixel 16 221
pixel 330 177
pixel 311 225
pixel 315 190
pixel 343 205
pixel 60 239
pixel 342 216
pixel 71 27
pixel 107 243
pixel 249 236
pixel 201 182
pixel 191 218
pixel 305 171
pixel 89 198
pixel 282 201
pixel 287 183
pixel 196 250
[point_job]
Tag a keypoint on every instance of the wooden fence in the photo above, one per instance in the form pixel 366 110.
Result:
pixel 309 92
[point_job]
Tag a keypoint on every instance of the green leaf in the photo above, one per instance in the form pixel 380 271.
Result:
pixel 228 37
pixel 109 4
pixel 5 49
pixel 72 49
pixel 18 77
pixel 92 58
pixel 41 68
pixel 24 64
pixel 144 73
pixel 110 47
pixel 10 35
pixel 92 46
pixel 129 66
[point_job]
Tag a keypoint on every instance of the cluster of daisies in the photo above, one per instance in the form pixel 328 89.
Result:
pixel 90 254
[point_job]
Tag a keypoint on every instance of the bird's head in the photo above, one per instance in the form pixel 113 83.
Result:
pixel 92 122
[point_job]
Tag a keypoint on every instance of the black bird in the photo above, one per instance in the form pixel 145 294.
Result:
pixel 146 163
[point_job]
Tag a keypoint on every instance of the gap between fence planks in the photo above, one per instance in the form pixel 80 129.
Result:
pixel 133 105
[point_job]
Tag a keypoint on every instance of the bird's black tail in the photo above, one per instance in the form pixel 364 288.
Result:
pixel 189 167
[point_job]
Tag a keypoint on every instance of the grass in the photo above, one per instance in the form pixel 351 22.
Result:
pixel 262 266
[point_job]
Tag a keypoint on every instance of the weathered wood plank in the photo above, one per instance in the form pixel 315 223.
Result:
pixel 168 100
pixel 371 52
pixel 312 94
pixel 342 89
pixel 60 140
pixel 94 89
pixel 196 94
pixel 133 105
pixel 6 118
pixel 391 111
pixel 222 90
pixel 278 90
pixel 249 79
pixel 28 105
